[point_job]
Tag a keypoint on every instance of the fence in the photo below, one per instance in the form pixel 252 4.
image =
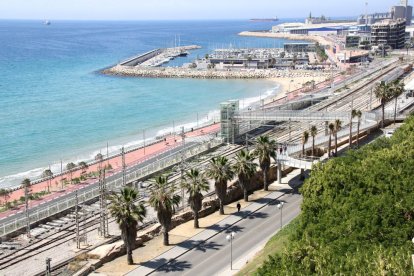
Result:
pixel 85 194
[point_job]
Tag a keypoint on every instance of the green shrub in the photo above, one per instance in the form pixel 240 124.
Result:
pixel 357 214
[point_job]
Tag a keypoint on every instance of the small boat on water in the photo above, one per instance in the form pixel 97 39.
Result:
pixel 46 22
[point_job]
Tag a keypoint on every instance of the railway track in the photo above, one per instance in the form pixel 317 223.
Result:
pixel 357 95
pixel 67 234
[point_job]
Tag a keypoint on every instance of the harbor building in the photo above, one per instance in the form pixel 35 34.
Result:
pixel 325 20
pixel 389 32
pixel 401 11
pixel 299 47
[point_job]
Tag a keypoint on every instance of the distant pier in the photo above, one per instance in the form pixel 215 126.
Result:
pixel 157 57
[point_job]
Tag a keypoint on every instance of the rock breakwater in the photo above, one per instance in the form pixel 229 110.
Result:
pixel 170 72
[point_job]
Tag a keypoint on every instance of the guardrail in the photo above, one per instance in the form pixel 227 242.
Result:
pixel 84 196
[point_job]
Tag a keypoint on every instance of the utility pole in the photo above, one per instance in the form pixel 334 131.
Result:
pixel 290 129
pixel 182 166
pixel 123 167
pixel 370 100
pixel 102 204
pixel 107 153
pixel 26 201
pixel 48 267
pixel 143 134
pixel 77 220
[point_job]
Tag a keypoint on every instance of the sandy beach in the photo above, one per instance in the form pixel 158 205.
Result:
pixel 292 86
pixel 131 158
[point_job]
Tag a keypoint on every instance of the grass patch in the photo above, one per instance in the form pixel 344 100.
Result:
pixel 276 244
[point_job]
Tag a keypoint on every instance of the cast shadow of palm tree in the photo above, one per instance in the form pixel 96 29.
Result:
pixel 165 265
pixel 276 202
pixel 199 245
pixel 227 227
pixel 233 228
pixel 257 215
pixel 175 266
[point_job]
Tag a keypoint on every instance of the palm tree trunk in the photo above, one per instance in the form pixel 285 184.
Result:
pixel 329 145
pixel 265 187
pixel 350 133
pixel 303 150
pixel 246 195
pixel 358 133
pixel 129 255
pixel 313 146
pixel 196 225
pixel 336 144
pixel 166 239
pixel 221 208
pixel 383 114
pixel 395 110
pixel 221 194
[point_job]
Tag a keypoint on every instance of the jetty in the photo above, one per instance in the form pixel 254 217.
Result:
pixel 169 72
pixel 158 57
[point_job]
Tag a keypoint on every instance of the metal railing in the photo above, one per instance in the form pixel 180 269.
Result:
pixel 84 195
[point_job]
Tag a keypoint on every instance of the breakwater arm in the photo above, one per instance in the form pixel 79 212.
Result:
pixel 167 72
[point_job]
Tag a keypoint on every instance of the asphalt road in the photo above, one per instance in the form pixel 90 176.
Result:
pixel 213 256
pixel 63 197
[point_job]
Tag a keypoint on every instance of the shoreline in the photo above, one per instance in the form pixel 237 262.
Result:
pixel 132 157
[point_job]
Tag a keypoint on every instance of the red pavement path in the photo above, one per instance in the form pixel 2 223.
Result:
pixel 131 158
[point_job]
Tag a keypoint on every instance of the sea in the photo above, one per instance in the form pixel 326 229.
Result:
pixel 56 107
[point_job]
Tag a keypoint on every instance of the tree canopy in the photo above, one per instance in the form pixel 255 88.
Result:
pixel 357 214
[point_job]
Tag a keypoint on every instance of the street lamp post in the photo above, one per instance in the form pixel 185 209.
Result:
pixel 412 256
pixel 280 207
pixel 230 238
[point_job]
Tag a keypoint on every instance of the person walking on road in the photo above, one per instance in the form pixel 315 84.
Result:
pixel 238 207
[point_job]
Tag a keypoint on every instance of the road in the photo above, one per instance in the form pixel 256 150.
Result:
pixel 213 257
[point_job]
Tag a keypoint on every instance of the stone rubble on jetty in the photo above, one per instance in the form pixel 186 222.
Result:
pixel 170 72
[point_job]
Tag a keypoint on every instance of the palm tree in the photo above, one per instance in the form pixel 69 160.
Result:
pixel 265 149
pixel 305 138
pixel 69 167
pixel 245 168
pixel 338 126
pixel 127 215
pixel 48 174
pixel 313 132
pixel 163 199
pixel 219 169
pixel 359 115
pixel 382 92
pixel 331 132
pixel 353 115
pixel 195 183
pixel 83 166
pixel 5 193
pixel 397 88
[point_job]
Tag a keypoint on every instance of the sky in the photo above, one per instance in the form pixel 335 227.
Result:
pixel 184 9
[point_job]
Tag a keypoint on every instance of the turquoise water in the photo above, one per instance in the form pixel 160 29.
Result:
pixel 54 105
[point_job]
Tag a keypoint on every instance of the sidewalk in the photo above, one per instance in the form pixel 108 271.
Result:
pixel 185 246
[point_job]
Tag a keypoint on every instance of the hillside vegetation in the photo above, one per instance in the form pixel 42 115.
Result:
pixel 357 214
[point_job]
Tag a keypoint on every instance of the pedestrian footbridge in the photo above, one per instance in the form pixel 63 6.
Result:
pixel 305 164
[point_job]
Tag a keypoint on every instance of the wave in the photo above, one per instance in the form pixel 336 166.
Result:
pixel 12 181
